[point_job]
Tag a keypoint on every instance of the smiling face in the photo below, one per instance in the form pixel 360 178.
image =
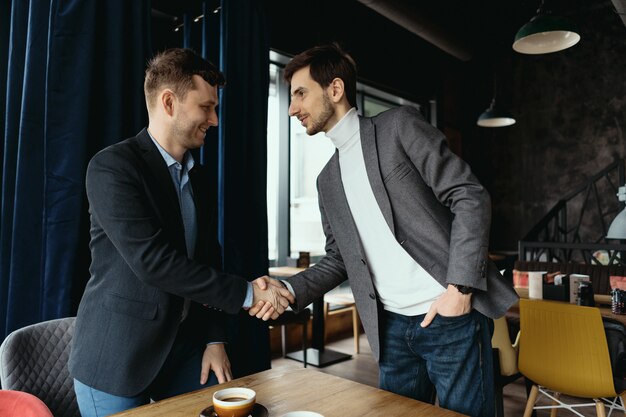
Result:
pixel 193 115
pixel 310 103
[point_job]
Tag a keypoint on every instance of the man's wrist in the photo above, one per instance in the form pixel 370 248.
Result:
pixel 464 289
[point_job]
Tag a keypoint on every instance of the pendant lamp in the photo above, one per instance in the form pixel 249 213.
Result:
pixel 545 33
pixel 495 116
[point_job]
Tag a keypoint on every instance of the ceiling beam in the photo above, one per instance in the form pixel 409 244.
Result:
pixel 406 14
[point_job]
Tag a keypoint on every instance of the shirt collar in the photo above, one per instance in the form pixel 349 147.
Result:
pixel 345 129
pixel 188 161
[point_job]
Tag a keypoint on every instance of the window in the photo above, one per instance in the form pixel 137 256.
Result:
pixel 294 160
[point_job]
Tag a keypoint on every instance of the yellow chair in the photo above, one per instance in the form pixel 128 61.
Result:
pixel 505 360
pixel 563 350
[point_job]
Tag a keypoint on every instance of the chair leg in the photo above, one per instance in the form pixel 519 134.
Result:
pixel 304 343
pixel 554 411
pixel 600 411
pixel 622 401
pixel 283 340
pixel 326 311
pixel 529 384
pixel 532 397
pixel 355 327
pixel 499 399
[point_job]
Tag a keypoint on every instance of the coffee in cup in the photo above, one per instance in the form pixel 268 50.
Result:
pixel 234 402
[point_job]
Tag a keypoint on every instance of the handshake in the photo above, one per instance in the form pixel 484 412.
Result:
pixel 271 298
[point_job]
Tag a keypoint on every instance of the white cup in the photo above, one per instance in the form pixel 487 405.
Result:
pixel 302 414
pixel 535 284
pixel 234 402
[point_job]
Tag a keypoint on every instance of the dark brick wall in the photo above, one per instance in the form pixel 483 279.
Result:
pixel 570 108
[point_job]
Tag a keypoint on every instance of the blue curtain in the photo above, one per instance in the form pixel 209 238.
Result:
pixel 74 77
pixel 236 40
pixel 243 164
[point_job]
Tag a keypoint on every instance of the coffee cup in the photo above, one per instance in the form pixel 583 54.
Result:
pixel 234 402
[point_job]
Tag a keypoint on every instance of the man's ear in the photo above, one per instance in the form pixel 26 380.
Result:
pixel 167 100
pixel 336 90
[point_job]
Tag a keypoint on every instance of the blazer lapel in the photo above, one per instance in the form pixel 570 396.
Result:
pixel 163 181
pixel 370 154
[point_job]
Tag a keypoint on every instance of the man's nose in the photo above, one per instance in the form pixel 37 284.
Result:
pixel 212 120
pixel 293 110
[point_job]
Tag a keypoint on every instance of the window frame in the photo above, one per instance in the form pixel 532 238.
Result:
pixel 283 220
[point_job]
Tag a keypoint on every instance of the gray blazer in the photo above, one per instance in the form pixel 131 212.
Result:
pixel 130 312
pixel 433 204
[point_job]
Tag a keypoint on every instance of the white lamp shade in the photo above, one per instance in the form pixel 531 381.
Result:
pixel 545 34
pixel 617 230
pixel 618 227
pixel 496 122
pixel 546 42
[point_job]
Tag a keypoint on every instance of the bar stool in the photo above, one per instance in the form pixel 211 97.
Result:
pixel 344 302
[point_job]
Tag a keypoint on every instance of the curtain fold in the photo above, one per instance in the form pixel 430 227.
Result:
pixel 74 85
pixel 243 165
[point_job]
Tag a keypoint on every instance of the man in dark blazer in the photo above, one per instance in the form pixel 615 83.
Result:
pixel 407 223
pixel 151 321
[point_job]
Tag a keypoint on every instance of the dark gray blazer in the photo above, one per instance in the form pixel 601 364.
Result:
pixel 433 204
pixel 140 274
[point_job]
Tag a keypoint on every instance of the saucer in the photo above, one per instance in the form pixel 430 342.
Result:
pixel 257 411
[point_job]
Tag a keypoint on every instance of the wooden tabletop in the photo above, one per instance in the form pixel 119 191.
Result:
pixel 282 391
pixel 284 271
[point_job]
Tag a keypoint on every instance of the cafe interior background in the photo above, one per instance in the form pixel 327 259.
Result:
pixel 73 72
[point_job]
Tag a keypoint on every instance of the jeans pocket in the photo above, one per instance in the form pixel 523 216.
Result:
pixel 462 324
pixel 462 317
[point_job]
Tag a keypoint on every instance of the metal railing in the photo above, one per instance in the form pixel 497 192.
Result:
pixel 552 239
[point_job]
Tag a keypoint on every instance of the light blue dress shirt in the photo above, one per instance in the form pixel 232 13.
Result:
pixel 180 177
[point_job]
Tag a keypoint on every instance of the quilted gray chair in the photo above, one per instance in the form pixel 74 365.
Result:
pixel 34 359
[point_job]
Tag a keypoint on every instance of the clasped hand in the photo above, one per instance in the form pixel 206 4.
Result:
pixel 271 298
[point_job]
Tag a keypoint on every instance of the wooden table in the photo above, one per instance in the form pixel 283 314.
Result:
pixel 317 354
pixel 605 311
pixel 290 390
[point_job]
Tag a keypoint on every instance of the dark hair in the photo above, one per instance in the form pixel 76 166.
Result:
pixel 174 69
pixel 326 62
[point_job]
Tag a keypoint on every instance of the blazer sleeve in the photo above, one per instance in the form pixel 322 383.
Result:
pixel 456 187
pixel 326 274
pixel 120 205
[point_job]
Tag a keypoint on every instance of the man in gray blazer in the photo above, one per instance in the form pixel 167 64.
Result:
pixel 151 321
pixel 407 223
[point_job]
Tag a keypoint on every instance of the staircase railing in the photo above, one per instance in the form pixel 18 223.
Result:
pixel 552 239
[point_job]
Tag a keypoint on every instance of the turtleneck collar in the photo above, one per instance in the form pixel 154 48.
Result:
pixel 345 130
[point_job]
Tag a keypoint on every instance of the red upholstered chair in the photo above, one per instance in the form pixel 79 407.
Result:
pixel 22 404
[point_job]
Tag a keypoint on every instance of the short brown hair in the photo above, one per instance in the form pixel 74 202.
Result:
pixel 326 62
pixel 174 69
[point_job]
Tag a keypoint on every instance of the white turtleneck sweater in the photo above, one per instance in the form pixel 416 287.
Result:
pixel 404 287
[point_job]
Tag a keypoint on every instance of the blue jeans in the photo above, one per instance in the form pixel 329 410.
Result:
pixel 180 374
pixel 452 356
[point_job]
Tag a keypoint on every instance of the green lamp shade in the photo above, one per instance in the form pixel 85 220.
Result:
pixel 544 34
pixel 494 117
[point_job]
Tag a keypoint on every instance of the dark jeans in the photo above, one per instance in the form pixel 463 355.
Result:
pixel 452 356
pixel 180 374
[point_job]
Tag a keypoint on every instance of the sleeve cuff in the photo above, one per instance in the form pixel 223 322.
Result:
pixel 247 303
